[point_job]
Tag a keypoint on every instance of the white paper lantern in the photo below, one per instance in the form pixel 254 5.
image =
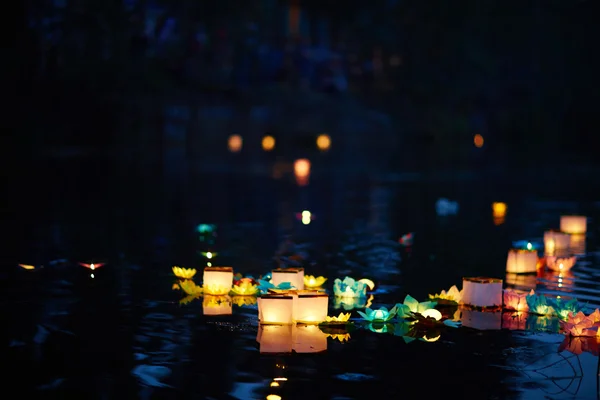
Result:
pixel 275 309
pixel 217 280
pixel 293 275
pixel 216 305
pixel 556 242
pixel 482 292
pixel 481 320
pixel 573 224
pixel 309 339
pixel 310 307
pixel 275 339
pixel 522 261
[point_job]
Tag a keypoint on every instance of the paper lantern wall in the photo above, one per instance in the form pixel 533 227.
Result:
pixel 482 292
pixel 217 280
pixel 576 224
pixel 521 261
pixel 275 309
pixel 293 275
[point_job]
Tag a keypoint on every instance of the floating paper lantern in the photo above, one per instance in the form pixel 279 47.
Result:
pixel 276 309
pixel 481 320
pixel 515 300
pixel 312 282
pixel 522 261
pixel 309 339
pixel 576 224
pixel 216 305
pixel 560 264
pixel 310 307
pixel 499 209
pixel 217 280
pixel 577 246
pixel 482 292
pixel 521 281
pixel 295 276
pixel 555 241
pixel 302 171
pixel 275 338
pixel 323 142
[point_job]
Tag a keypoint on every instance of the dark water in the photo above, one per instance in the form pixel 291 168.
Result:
pixel 124 333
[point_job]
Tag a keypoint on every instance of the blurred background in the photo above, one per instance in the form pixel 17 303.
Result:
pixel 122 100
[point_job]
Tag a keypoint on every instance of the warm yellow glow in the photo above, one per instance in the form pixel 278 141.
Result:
pixel 342 318
pixel 209 264
pixel 281 379
pixel 293 275
pixel 310 307
pixel 244 300
pixel 499 209
pixel 368 282
pixel 92 266
pixel 235 143
pixel 245 288
pixel 273 397
pixel 478 141
pixel 435 339
pixel 341 337
pixel 274 384
pixel 521 261
pixel 576 224
pixel 314 282
pixel 268 143
pixel 209 255
pixel 306 217
pixel 302 171
pixel 184 273
pixel 309 339
pixel 175 286
pixel 323 142
pixel 432 313
pixel 217 280
pixel 189 287
pixel 370 301
pixel 217 305
pixel 215 289
pixel 26 266
pixel 275 309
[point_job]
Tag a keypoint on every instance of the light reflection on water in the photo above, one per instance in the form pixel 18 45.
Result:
pixel 177 348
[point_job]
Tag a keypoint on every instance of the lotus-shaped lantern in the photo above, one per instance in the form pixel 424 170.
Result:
pixel 581 325
pixel 378 316
pixel 184 273
pixel 189 287
pixel 412 306
pixel 339 320
pixel 265 286
pixel 561 264
pixel 515 300
pixel 563 307
pixel 313 282
pixel 349 288
pixel 538 304
pixel 452 296
pixel 245 287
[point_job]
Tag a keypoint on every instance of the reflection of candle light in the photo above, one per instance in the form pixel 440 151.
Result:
pixel 560 266
pixel 529 246
pixel 302 171
pixel 209 255
pixel 92 267
pixel 92 276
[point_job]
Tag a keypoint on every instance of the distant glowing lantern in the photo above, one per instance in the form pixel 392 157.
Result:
pixel 217 280
pixel 573 224
pixel 556 242
pixel 306 217
pixel 515 300
pixel 92 266
pixel 216 305
pixel 309 339
pixel 295 276
pixel 323 142
pixel 481 320
pixel 184 273
pixel 302 171
pixel 577 244
pixel 27 266
pixel 520 281
pixel 522 261
pixel 268 143
pixel 482 292
pixel 235 143
pixel 276 309
pixel 312 282
pixel 275 338
pixel 560 264
pixel 478 141
pixel 499 209
pixel 310 307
